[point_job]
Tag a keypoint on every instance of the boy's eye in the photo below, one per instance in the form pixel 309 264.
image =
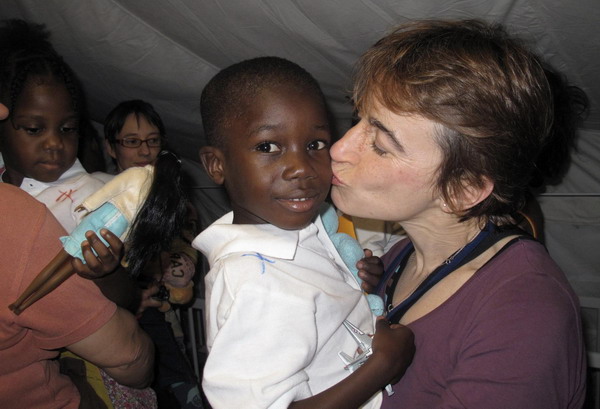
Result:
pixel 31 130
pixel 267 147
pixel 153 142
pixel 131 142
pixel 68 129
pixel 317 145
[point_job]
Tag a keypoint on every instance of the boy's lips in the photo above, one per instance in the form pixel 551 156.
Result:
pixel 300 204
pixel 51 165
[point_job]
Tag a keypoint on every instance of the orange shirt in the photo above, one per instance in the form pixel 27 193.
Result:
pixel 29 378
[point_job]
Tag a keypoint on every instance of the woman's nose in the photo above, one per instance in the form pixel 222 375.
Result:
pixel 346 149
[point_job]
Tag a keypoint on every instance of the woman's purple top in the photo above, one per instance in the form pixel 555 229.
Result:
pixel 510 337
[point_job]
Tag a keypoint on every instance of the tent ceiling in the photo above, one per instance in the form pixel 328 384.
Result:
pixel 165 51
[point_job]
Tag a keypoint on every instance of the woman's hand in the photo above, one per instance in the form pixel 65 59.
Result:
pixel 370 271
pixel 107 259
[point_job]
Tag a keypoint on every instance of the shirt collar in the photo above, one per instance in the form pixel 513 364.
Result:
pixel 223 237
pixel 34 186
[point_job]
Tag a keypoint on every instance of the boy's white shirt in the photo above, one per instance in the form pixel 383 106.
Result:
pixel 276 300
pixel 62 196
pixel 377 235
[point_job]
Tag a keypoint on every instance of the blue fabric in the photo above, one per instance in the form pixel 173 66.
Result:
pixel 106 216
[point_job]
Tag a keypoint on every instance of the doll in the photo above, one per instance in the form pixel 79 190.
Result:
pixel 143 206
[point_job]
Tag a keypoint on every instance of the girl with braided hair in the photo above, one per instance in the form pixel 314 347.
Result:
pixel 39 140
pixel 39 143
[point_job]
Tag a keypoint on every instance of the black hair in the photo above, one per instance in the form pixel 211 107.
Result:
pixel 571 107
pixel 229 93
pixel 26 53
pixel 116 118
pixel 160 219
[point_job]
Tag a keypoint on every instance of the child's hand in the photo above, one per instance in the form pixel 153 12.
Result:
pixel 148 299
pixel 370 270
pixel 393 349
pixel 107 259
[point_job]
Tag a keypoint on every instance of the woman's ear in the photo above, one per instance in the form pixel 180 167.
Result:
pixel 213 160
pixel 472 194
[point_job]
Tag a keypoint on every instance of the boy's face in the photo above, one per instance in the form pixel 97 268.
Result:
pixel 44 144
pixel 142 155
pixel 275 163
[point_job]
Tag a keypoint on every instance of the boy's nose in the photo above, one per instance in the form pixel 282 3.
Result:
pixel 53 140
pixel 144 149
pixel 299 166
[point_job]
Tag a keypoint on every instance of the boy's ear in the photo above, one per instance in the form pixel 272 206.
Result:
pixel 110 149
pixel 213 160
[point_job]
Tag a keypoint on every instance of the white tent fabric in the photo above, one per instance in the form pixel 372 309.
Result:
pixel 164 51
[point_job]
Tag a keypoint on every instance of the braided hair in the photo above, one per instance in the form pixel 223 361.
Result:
pixel 27 54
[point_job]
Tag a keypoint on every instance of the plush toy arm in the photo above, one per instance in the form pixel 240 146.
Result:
pixel 350 251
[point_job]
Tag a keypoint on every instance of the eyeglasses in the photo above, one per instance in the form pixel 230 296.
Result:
pixel 136 143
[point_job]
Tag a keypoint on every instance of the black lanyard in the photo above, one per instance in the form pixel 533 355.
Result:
pixel 472 249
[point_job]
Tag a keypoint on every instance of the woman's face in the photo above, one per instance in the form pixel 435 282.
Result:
pixel 385 167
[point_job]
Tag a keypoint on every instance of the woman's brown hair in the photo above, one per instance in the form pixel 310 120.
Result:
pixel 487 92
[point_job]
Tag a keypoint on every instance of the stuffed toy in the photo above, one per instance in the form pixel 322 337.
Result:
pixel 350 251
pixel 176 285
pixel 143 206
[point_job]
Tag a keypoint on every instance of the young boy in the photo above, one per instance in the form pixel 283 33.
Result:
pixel 134 136
pixel 278 292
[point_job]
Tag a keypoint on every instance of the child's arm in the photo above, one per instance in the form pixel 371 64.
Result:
pixel 370 269
pixel 393 350
pixel 106 271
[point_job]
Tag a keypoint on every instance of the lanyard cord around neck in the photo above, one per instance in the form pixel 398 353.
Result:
pixel 438 274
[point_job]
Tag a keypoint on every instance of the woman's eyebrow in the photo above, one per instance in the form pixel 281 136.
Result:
pixel 374 122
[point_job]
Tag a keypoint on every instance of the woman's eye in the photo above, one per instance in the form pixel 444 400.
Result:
pixel 317 145
pixel 377 150
pixel 267 147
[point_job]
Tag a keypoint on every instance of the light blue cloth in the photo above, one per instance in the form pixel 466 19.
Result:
pixel 106 216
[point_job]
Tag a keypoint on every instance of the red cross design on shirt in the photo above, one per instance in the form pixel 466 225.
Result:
pixel 66 195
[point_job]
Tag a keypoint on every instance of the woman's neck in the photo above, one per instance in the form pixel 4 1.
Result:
pixel 435 244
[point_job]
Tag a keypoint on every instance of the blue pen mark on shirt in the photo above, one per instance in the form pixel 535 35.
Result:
pixel 262 260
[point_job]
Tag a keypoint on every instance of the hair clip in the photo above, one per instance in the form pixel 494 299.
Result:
pixel 166 152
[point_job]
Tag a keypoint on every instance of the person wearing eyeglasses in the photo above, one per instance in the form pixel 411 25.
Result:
pixel 134 134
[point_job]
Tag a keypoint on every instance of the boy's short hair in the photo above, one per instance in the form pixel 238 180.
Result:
pixel 116 118
pixel 486 90
pixel 229 93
